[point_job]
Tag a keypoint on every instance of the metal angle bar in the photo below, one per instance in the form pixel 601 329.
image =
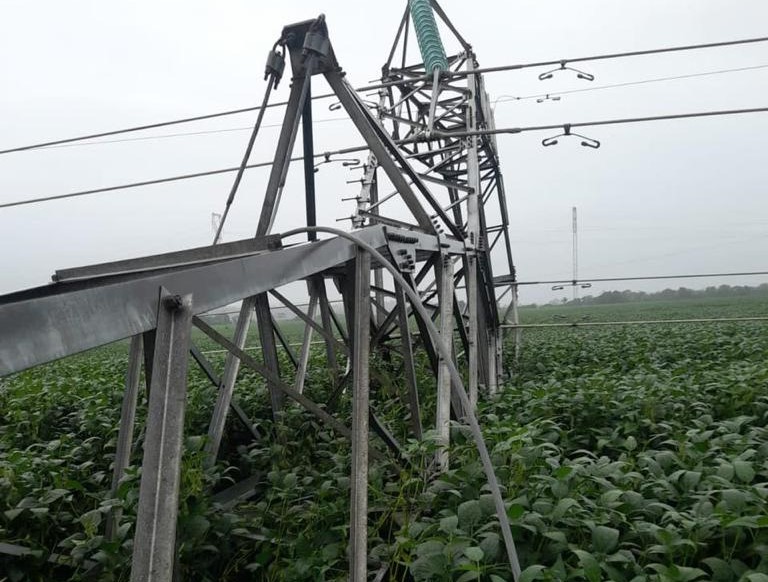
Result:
pixel 148 343
pixel 328 319
pixel 378 274
pixel 296 100
pixel 473 234
pixel 358 530
pixel 379 219
pixel 409 367
pixel 446 183
pixel 433 101
pixel 381 430
pixel 443 412
pixel 386 329
pixel 638 322
pixel 308 143
pixel 241 491
pixel 306 346
pixel 405 39
pixel 273 77
pixel 400 30
pixel 284 342
pixel 125 432
pixel 51 322
pixel 185 258
pixel 383 200
pixel 307 319
pixel 253 348
pixel 337 324
pixel 470 418
pixel 256 366
pixel 269 351
pixel 405 97
pixel 227 388
pixel 381 144
pixel 208 370
pixel 456 202
pixel 376 142
pixel 154 544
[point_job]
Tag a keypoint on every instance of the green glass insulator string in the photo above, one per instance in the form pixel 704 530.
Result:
pixel 428 36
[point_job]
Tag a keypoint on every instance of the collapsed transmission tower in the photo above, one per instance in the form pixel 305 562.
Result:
pixel 450 223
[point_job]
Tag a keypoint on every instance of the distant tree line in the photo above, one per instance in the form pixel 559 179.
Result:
pixel 683 293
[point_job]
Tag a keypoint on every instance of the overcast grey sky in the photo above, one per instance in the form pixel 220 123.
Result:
pixel 683 196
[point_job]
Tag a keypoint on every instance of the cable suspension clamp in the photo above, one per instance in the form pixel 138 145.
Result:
pixel 275 63
pixel 350 163
pixel 548 97
pixel 564 67
pixel 585 141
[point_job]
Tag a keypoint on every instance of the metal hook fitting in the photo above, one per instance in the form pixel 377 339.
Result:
pixel 586 141
pixel 564 67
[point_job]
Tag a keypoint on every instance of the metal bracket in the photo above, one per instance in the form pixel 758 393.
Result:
pixel 403 251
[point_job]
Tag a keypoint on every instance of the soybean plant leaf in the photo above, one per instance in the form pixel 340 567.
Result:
pixel 91 520
pixel 557 536
pixel 735 499
pixel 721 570
pixel 744 470
pixel 467 576
pixel 474 553
pixel 563 506
pixel 428 566
pixel 490 545
pixel 449 524
pixel 12 514
pixel 590 565
pixel 495 578
pixel 469 513
pixel 756 577
pixel 605 539
pixel 563 472
pixel 749 521
pixel 515 511
pixel 195 526
pixel 689 574
pixel 532 573
pixel 430 548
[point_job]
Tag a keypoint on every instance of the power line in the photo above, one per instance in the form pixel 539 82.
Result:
pixel 511 130
pixel 603 57
pixel 180 134
pixel 166 180
pixel 632 83
pixel 637 322
pixel 502 68
pixel 435 136
pixel 335 119
pixel 68 140
pixel 643 278
pixel 378 86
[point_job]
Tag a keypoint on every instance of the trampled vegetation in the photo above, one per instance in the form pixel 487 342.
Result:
pixel 626 454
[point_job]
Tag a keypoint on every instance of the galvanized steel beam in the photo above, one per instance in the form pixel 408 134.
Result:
pixel 154 543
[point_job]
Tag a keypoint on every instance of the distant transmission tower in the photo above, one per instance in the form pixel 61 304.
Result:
pixel 575 254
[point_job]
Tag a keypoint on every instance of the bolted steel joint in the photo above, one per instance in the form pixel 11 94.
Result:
pixel 317 43
pixel 173 303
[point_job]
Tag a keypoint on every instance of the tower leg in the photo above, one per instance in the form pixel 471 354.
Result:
pixel 154 545
pixel 358 531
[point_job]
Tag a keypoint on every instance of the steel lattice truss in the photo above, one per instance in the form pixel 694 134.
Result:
pixel 388 269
